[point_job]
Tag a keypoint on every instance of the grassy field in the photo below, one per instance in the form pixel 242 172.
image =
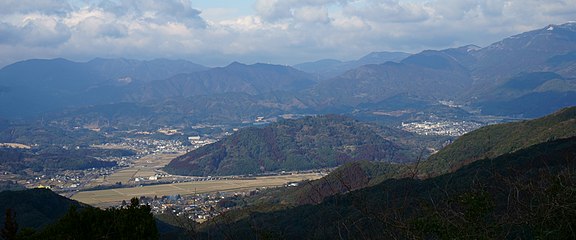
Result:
pixel 111 196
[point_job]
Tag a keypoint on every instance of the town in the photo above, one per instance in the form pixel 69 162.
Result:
pixel 441 128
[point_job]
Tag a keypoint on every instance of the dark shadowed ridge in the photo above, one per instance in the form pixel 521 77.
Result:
pixel 540 176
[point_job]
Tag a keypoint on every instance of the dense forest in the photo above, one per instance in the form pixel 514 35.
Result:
pixel 302 144
pixel 17 160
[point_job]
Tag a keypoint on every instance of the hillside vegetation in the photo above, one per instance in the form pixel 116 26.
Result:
pixel 302 144
pixel 492 141
pixel 35 208
pixel 526 194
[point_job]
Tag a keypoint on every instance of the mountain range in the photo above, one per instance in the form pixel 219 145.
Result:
pixel 32 87
pixel 329 68
pixel 253 79
pixel 511 77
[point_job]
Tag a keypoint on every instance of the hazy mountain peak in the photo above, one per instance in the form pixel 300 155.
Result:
pixel 235 64
pixel 470 48
pixel 563 34
pixel 381 57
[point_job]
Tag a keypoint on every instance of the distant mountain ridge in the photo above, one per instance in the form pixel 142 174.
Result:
pixel 429 75
pixel 328 68
pixel 235 78
pixel 527 75
pixel 472 75
pixel 42 85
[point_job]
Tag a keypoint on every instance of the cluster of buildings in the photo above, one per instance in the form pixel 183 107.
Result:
pixel 145 146
pixel 197 207
pixel 441 128
pixel 66 180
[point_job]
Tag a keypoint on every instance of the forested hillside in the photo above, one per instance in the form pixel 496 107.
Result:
pixel 495 140
pixel 526 194
pixel 302 144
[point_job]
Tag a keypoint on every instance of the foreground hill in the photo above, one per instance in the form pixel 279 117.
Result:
pixel 308 143
pixel 43 214
pixel 525 194
pixel 35 207
pixel 359 175
pixel 495 140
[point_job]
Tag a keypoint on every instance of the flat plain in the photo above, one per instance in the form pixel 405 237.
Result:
pixel 143 167
pixel 109 197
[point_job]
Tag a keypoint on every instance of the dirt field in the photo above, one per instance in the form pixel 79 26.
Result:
pixel 14 145
pixel 110 196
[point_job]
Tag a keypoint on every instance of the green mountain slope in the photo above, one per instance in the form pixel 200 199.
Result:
pixel 469 148
pixel 34 207
pixel 308 143
pixel 525 194
pixel 346 178
pixel 495 140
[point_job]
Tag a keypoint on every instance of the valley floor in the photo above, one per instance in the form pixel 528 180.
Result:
pixel 111 197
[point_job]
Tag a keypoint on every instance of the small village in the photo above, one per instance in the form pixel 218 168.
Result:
pixel 441 128
pixel 196 207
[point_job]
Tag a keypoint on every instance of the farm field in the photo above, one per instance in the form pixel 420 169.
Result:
pixel 109 197
pixel 144 167
pixel 15 145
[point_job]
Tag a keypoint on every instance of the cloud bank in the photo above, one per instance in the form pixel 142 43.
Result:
pixel 278 31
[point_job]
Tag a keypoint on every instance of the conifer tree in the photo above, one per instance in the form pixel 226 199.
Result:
pixel 10 226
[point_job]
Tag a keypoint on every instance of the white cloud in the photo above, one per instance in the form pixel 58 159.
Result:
pixel 310 14
pixel 34 30
pixel 281 31
pixel 52 7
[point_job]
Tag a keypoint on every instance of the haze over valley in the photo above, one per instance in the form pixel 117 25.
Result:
pixel 287 119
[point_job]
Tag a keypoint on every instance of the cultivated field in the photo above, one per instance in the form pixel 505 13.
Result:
pixel 144 167
pixel 14 145
pixel 112 196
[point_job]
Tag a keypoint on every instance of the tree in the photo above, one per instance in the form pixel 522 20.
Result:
pixel 10 226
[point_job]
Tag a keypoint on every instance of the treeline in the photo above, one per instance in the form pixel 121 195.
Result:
pixel 131 222
pixel 15 160
pixel 45 135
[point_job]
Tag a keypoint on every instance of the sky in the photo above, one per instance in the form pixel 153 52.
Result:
pixel 217 32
